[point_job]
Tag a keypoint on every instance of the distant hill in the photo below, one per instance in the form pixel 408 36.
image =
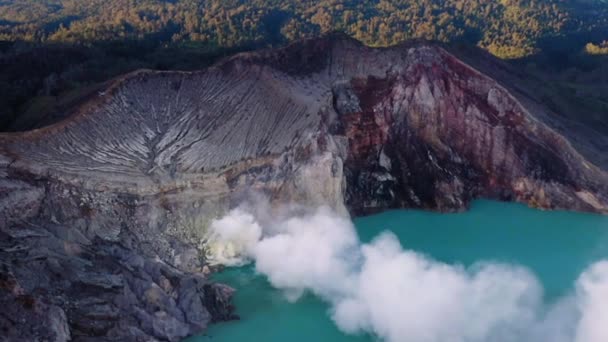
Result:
pixel 506 28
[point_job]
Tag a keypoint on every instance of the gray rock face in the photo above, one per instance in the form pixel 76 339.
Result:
pixel 122 193
pixel 55 286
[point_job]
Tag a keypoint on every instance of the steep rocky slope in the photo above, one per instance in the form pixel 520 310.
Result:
pixel 143 168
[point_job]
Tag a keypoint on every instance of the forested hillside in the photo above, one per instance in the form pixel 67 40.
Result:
pixel 507 28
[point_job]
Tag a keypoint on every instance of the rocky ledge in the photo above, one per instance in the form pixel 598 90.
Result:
pixel 57 285
pixel 103 216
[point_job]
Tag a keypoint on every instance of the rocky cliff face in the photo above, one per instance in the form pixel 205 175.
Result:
pixel 138 173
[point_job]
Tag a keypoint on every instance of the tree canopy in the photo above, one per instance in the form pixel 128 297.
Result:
pixel 506 28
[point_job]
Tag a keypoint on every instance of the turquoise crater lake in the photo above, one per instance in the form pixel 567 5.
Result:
pixel 555 246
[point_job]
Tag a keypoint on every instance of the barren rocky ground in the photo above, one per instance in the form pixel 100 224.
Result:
pixel 103 215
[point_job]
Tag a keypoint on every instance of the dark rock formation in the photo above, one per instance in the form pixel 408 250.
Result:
pixel 57 285
pixel 118 197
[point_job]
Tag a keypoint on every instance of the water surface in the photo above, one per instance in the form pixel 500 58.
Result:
pixel 555 246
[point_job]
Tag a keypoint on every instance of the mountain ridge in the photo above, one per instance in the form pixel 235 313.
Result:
pixel 141 170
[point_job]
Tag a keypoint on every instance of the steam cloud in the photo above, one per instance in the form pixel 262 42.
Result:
pixel 400 295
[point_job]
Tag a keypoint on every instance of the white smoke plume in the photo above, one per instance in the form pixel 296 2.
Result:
pixel 399 295
pixel 233 238
pixel 592 294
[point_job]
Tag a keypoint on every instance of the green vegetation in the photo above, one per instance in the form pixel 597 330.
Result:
pixel 599 49
pixel 507 28
pixel 51 47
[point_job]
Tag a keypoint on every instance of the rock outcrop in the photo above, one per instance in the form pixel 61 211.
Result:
pixel 128 184
pixel 58 285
